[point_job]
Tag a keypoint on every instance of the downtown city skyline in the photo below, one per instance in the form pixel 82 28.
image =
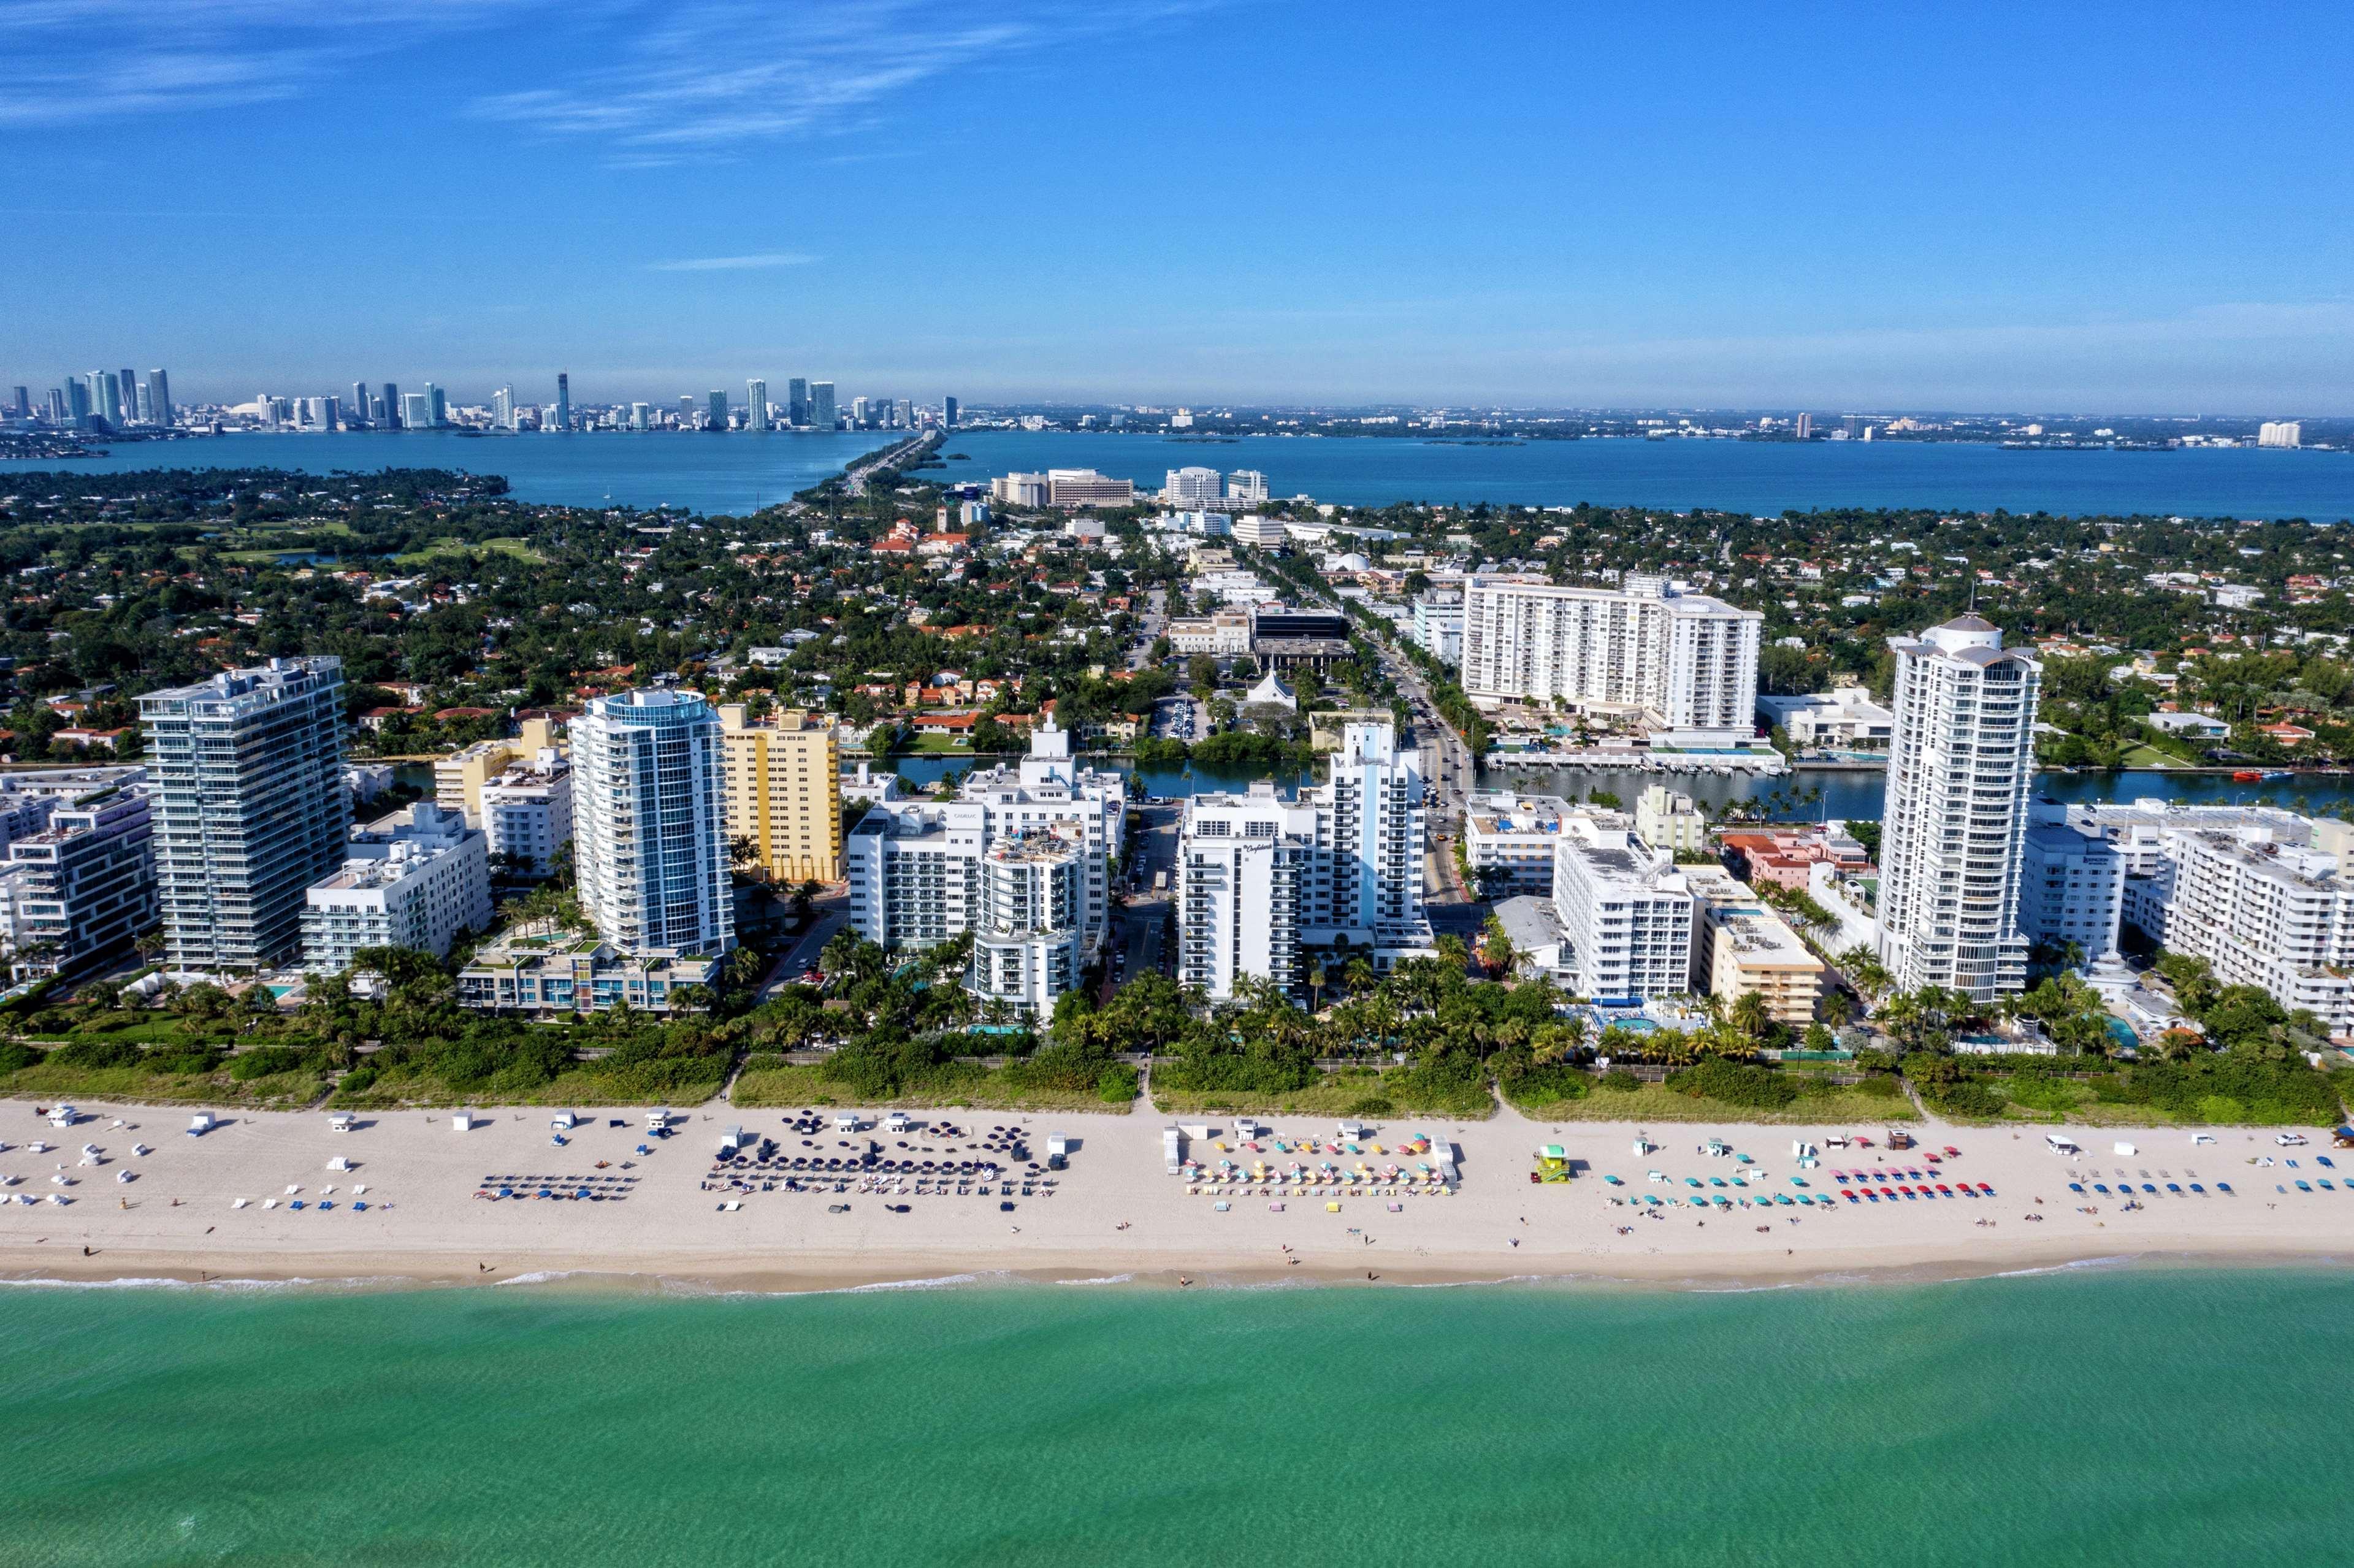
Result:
pixel 1195 202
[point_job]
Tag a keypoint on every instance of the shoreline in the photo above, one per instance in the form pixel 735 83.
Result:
pixel 403 1211
pixel 1867 1270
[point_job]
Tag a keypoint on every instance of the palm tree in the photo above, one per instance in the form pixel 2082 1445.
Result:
pixel 1358 973
pixel 1452 952
pixel 1316 985
pixel 1750 1018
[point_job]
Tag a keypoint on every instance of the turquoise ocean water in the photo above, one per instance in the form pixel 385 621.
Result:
pixel 2092 1416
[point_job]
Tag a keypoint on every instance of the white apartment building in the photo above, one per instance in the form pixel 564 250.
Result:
pixel 1027 945
pixel 1667 820
pixel 1244 866
pixel 1193 488
pixel 22 816
pixel 1246 487
pixel 650 826
pixel 1260 530
pixel 1684 662
pixel 1846 719
pixel 421 883
pixel 1516 836
pixel 1086 487
pixel 250 808
pixel 912 866
pixel 1438 626
pixel 1226 633
pixel 1263 883
pixel 2280 433
pixel 1627 914
pixel 527 811
pixel 2072 883
pixel 83 885
pixel 1028 490
pixel 2266 913
pixel 1958 770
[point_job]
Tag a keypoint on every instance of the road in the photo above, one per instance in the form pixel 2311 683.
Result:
pixel 1150 625
pixel 855 481
pixel 1451 771
pixel 829 913
pixel 1151 850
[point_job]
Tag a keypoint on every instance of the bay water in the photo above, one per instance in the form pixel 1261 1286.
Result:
pixel 2103 1414
pixel 734 473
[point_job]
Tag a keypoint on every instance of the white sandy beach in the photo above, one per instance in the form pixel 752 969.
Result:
pixel 1116 1215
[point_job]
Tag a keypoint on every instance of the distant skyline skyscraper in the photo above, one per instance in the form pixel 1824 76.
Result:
pixel 796 403
pixel 106 398
pixel 1805 427
pixel 563 400
pixel 77 402
pixel 821 405
pixel 360 410
pixel 756 405
pixel 715 410
pixel 641 415
pixel 436 407
pixel 502 409
pixel 948 413
pixel 22 401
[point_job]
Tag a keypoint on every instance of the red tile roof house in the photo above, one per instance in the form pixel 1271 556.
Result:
pixel 375 719
pixel 945 724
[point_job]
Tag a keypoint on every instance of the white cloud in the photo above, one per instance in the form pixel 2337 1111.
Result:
pixel 733 263
pixel 64 61
pixel 715 73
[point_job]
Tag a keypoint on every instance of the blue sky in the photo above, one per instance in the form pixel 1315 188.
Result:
pixel 1898 206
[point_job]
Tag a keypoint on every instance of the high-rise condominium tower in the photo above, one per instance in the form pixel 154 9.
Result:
pixel 563 401
pixel 106 398
pixel 796 404
pixel 756 405
pixel 250 807
pixel 649 823
pixel 1958 766
pixel 948 413
pixel 821 405
pixel 1685 662
pixel 392 404
pixel 1264 883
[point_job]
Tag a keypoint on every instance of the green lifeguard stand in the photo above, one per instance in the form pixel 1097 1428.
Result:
pixel 1552 1163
